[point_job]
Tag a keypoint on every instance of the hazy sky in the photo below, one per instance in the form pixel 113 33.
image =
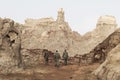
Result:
pixel 82 15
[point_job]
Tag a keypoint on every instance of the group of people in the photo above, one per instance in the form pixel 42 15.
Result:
pixel 56 57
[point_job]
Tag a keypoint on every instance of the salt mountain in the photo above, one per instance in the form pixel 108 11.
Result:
pixel 47 33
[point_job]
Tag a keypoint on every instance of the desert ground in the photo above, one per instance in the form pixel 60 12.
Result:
pixel 50 72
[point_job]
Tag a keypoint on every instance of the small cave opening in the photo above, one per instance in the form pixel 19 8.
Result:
pixel 13 41
pixel 7 36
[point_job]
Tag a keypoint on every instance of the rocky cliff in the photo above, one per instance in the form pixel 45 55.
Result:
pixel 110 69
pixel 104 27
pixel 47 33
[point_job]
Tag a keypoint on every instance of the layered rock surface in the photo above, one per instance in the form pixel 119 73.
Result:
pixel 9 45
pixel 105 26
pixel 55 37
pixel 46 33
pixel 110 69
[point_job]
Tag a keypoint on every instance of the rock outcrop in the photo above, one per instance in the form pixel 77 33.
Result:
pixel 47 33
pixel 10 44
pixel 110 69
pixel 105 26
pixel 105 47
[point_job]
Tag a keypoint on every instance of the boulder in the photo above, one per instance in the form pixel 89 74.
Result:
pixel 10 44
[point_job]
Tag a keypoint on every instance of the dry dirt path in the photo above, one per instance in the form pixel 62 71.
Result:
pixel 43 72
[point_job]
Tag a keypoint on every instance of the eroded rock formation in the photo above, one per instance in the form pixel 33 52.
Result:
pixel 110 69
pixel 104 27
pixel 50 34
pixel 23 45
pixel 10 44
pixel 106 46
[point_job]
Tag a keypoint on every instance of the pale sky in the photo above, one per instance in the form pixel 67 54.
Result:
pixel 81 15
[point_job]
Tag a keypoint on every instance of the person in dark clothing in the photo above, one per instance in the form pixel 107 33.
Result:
pixel 65 57
pixel 46 57
pixel 56 58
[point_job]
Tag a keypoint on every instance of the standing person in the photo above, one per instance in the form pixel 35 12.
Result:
pixel 46 56
pixel 65 57
pixel 56 58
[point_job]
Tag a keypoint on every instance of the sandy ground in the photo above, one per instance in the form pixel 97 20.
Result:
pixel 49 72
